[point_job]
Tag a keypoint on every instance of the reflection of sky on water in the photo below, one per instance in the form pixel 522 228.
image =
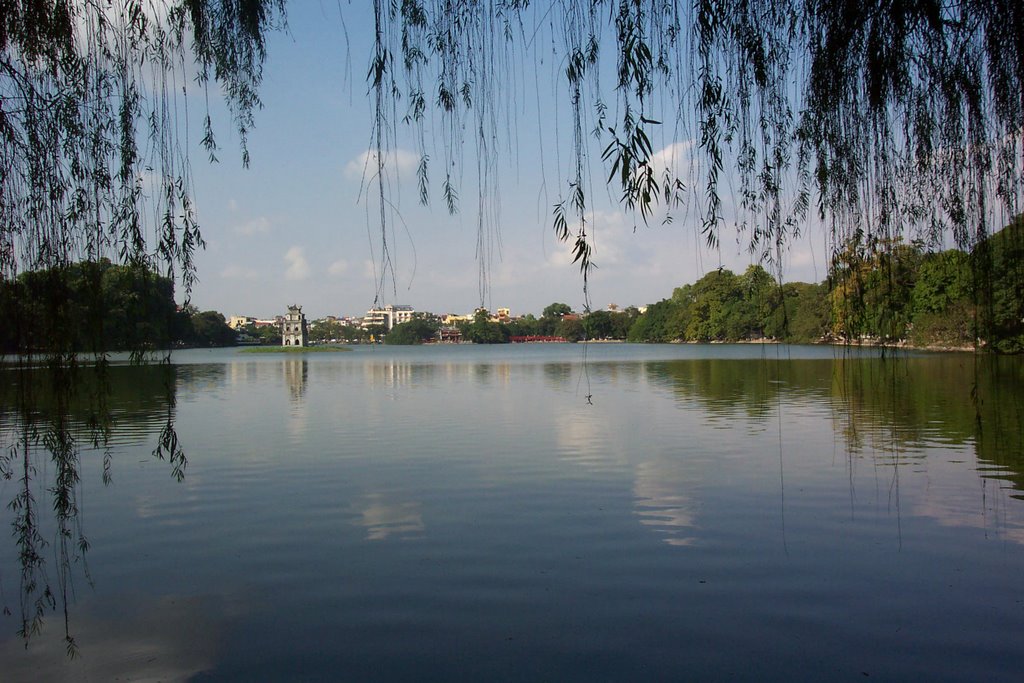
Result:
pixel 661 504
pixel 384 518
pixel 166 639
pixel 939 494
pixel 304 472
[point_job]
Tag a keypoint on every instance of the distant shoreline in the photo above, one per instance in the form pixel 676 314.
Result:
pixel 293 349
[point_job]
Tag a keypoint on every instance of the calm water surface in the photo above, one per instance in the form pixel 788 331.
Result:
pixel 547 513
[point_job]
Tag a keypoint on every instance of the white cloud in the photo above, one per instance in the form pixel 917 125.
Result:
pixel 236 272
pixel 339 267
pixel 257 226
pixel 298 266
pixel 674 157
pixel 395 161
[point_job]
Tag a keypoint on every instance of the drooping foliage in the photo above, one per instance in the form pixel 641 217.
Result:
pixel 95 164
pixel 883 121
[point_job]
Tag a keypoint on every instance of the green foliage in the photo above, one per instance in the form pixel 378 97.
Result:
pixel 900 120
pixel 264 335
pixel 571 329
pixel 881 293
pixel 661 322
pixel 802 315
pixel 556 310
pixel 209 329
pixel 96 307
pixel 599 325
pixel 999 285
pixel 325 332
pixel 526 326
pixel 483 331
pixel 88 307
pixel 715 310
pixel 415 331
pixel 722 306
pixel 943 279
pixel 872 286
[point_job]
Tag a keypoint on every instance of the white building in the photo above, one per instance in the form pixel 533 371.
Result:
pixel 388 316
pixel 293 329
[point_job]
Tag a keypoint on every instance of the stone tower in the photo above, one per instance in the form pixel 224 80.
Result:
pixel 293 329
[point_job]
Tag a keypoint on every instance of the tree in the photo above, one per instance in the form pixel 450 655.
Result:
pixel 523 327
pixel 209 329
pixel 872 286
pixel 599 325
pixel 885 117
pixel 89 306
pixel 570 329
pixel 802 315
pixel 715 317
pixel 483 331
pixel 415 331
pixel 661 322
pixel 556 310
pixel 1000 294
pixel 837 105
pixel 266 335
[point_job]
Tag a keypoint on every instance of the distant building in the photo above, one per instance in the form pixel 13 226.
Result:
pixel 238 321
pixel 449 335
pixel 388 316
pixel 451 319
pixel 293 328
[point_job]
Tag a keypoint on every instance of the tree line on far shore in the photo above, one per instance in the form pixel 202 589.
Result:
pixel 96 306
pixel 876 293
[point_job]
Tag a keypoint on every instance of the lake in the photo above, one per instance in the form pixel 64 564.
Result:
pixel 608 512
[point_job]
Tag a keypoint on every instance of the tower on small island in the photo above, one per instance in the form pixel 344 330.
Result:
pixel 293 329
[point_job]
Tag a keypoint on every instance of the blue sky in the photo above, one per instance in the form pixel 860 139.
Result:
pixel 295 228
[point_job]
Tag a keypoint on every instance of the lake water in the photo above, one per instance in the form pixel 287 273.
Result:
pixel 542 513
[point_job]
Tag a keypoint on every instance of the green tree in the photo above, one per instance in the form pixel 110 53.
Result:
pixel 802 315
pixel 999 285
pixel 266 335
pixel 556 310
pixel 622 321
pixel 210 329
pixel 91 306
pixel 716 313
pixel 659 323
pixel 483 331
pixel 943 278
pixel 872 287
pixel 523 327
pixel 415 331
pixel 943 312
pixel 599 325
pixel 571 329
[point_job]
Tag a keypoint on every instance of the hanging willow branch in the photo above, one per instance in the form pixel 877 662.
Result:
pixel 94 167
pixel 896 119
pixel 884 119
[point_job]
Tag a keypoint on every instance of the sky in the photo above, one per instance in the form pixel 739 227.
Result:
pixel 298 226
